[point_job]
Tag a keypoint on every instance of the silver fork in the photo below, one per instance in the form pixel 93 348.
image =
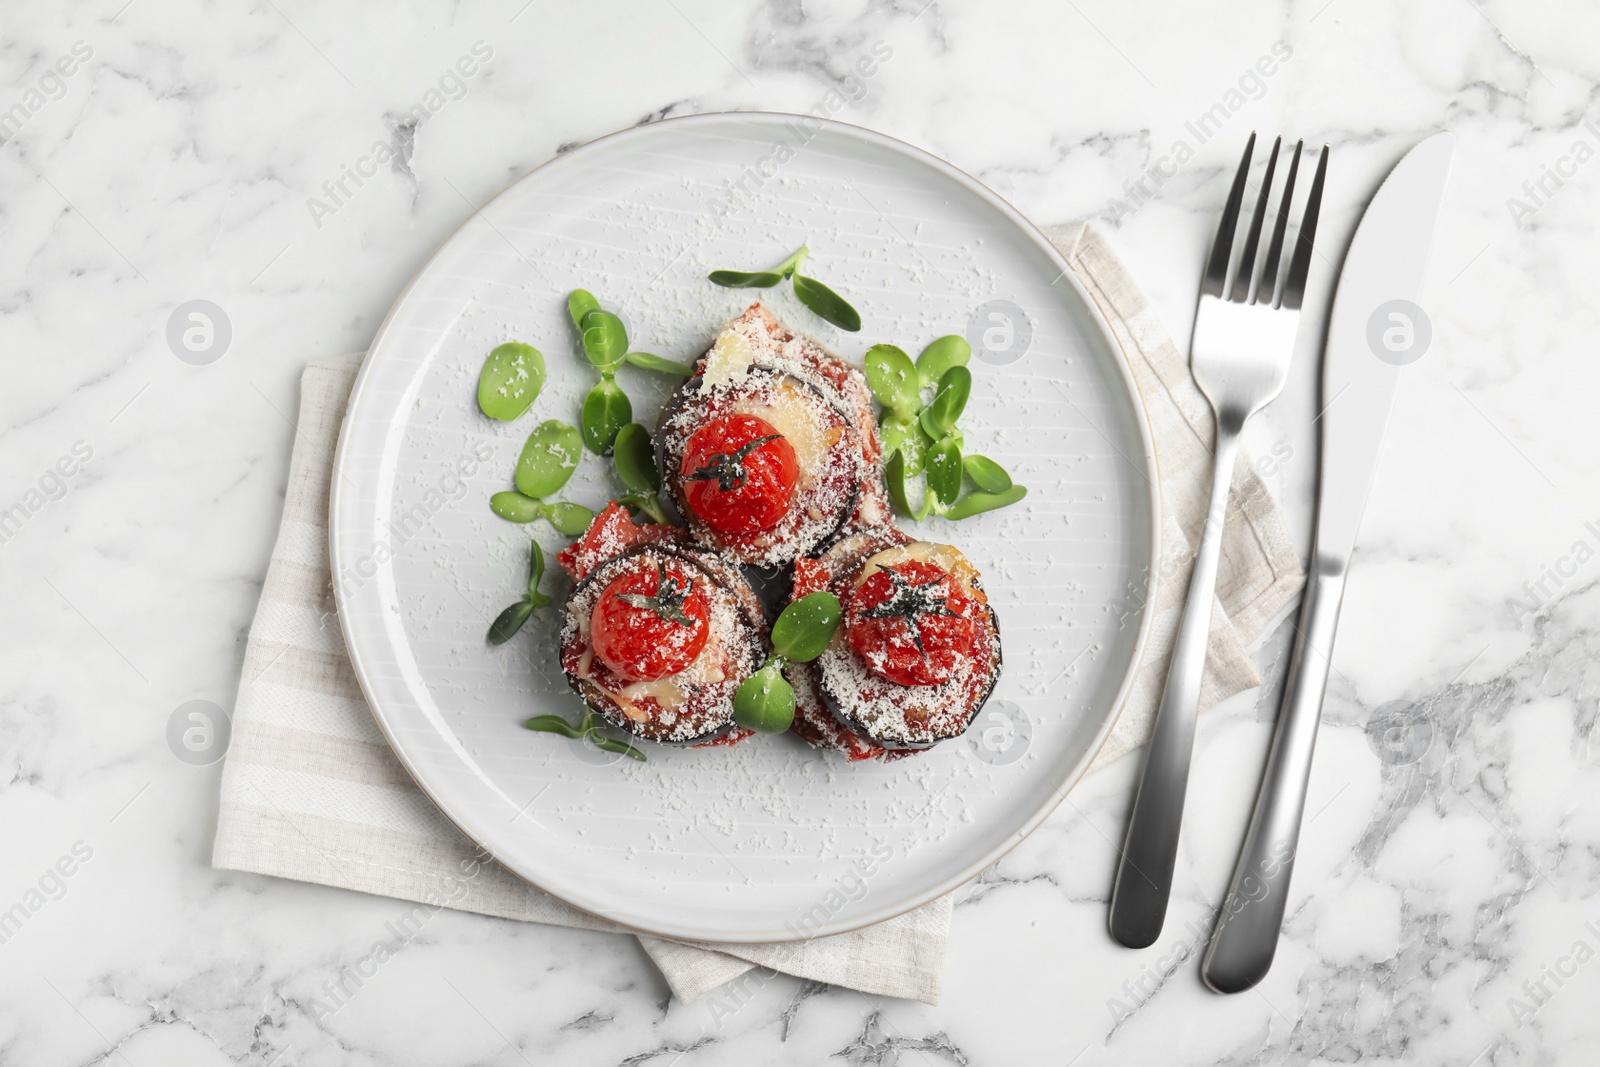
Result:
pixel 1243 339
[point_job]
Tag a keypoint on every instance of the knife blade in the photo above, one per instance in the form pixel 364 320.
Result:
pixel 1376 328
pixel 1383 273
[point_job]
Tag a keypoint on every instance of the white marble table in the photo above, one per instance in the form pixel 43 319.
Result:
pixel 1444 908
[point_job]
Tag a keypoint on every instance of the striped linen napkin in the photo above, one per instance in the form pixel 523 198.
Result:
pixel 311 791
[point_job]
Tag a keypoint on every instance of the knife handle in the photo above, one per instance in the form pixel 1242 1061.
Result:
pixel 1246 935
pixel 1150 849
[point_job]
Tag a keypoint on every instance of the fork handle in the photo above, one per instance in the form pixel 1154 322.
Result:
pixel 1150 851
pixel 1246 936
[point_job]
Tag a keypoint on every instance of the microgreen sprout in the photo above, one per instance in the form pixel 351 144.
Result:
pixel 923 439
pixel 635 459
pixel 607 409
pixel 589 727
pixel 824 302
pixel 646 361
pixel 510 381
pixel 765 701
pixel 547 461
pixel 509 621
pixel 605 344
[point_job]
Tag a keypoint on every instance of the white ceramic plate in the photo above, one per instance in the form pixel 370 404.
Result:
pixel 769 840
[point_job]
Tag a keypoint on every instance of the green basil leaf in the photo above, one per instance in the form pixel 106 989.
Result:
pixel 510 381
pixel 579 303
pixel 635 458
pixel 508 622
pixel 606 410
pixel 611 744
pixel 942 353
pixel 738 279
pixel 514 507
pixel 765 701
pixel 826 303
pixel 552 724
pixel 894 473
pixel 570 519
pixel 605 339
pixel 548 459
pixel 944 470
pixel 892 377
pixel 986 474
pixel 977 503
pixel 647 361
pixel 805 627
pixel 939 417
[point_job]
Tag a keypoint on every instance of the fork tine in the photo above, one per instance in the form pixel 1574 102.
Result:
pixel 1247 262
pixel 1269 271
pixel 1294 287
pixel 1216 277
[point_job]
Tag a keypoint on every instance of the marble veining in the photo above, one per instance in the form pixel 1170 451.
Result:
pixel 1444 909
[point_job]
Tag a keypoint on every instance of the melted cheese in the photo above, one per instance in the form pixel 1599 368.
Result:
pixel 947 558
pixel 791 415
pixel 664 691
pixel 728 361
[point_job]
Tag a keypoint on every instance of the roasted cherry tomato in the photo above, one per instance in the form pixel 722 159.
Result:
pixel 912 624
pixel 651 622
pixel 739 474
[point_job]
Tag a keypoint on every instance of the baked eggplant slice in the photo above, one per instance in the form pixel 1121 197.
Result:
pixel 918 652
pixel 657 636
pixel 815 724
pixel 772 344
pixel 763 468
pixel 750 354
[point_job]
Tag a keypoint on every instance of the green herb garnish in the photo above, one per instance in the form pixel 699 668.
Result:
pixel 509 621
pixel 646 361
pixel 922 439
pixel 826 303
pixel 893 379
pixel 547 461
pixel 635 459
pixel 606 409
pixel 589 727
pixel 510 381
pixel 579 303
pixel 986 474
pixel 605 339
pixel 765 700
pixel 976 503
pixel 951 350
pixel 605 345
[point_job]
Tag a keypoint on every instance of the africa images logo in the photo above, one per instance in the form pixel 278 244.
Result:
pixel 1250 86
pixel 339 190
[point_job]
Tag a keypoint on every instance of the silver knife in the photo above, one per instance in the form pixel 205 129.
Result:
pixel 1375 329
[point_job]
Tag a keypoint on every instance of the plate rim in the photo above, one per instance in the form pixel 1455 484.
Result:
pixel 1153 482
